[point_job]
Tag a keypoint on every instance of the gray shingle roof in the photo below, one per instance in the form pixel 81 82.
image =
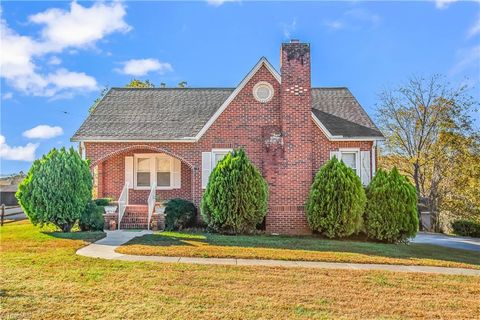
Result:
pixel 151 114
pixel 179 113
pixel 339 111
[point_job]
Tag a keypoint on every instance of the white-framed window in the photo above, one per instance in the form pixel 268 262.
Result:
pixel 210 159
pixel 142 172
pixel 349 156
pixel 350 159
pixel 164 171
pixel 358 160
pixel 152 169
pixel 218 155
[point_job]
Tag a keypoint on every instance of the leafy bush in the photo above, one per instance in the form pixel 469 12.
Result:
pixel 57 189
pixel 336 201
pixel 235 200
pixel 179 214
pixel 391 213
pixel 467 228
pixel 102 201
pixel 92 217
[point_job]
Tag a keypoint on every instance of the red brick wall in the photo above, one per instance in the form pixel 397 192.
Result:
pixel 322 147
pixel 287 149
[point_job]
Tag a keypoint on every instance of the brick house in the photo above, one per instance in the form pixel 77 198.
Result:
pixel 144 142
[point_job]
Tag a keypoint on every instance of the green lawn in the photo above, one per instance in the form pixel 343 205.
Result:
pixel 43 278
pixel 297 248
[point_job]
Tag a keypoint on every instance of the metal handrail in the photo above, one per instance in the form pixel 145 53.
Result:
pixel 122 203
pixel 151 204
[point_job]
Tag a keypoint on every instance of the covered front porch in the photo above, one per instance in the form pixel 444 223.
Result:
pixel 137 178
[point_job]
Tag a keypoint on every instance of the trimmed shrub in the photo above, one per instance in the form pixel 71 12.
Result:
pixel 336 201
pixel 92 217
pixel 57 189
pixel 235 200
pixel 102 201
pixel 391 213
pixel 467 228
pixel 179 214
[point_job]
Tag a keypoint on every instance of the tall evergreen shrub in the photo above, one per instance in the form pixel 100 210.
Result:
pixel 57 189
pixel 391 212
pixel 336 201
pixel 235 200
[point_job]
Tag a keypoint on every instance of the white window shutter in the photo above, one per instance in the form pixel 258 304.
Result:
pixel 129 171
pixel 177 173
pixel 365 172
pixel 206 167
pixel 336 154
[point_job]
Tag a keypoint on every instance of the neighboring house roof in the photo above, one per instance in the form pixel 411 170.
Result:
pixel 133 114
pixel 9 188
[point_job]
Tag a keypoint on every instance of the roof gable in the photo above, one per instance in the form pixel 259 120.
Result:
pixel 262 62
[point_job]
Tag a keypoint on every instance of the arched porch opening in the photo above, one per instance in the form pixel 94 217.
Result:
pixel 113 170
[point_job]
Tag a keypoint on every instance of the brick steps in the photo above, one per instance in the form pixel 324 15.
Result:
pixel 135 217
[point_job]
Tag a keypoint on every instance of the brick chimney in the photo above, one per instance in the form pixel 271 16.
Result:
pixel 286 212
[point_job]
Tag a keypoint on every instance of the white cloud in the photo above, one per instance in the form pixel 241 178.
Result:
pixel 442 4
pixel 334 24
pixel 218 3
pixel 289 28
pixel 80 27
pixel 467 59
pixel 64 79
pixel 43 132
pixel 20 153
pixel 55 61
pixel 475 28
pixel 140 67
pixel 7 96
pixel 355 18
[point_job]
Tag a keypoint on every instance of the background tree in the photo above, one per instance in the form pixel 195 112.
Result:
pixel 99 98
pixel 57 189
pixel 420 120
pixel 135 83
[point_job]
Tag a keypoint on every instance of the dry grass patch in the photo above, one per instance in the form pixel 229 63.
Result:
pixel 297 248
pixel 42 278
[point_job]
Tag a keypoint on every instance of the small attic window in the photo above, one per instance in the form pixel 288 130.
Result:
pixel 263 92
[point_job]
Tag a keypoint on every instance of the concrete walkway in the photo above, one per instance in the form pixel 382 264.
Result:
pixel 457 242
pixel 105 249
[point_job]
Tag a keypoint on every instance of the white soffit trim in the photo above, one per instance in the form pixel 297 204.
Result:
pixel 262 62
pixel 341 138
pixel 145 141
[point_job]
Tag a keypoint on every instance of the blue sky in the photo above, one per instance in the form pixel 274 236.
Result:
pixel 57 56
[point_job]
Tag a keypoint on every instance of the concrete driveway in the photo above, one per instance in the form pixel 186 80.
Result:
pixel 438 239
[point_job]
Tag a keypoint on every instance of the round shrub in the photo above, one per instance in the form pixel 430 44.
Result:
pixel 179 214
pixel 57 189
pixel 467 228
pixel 92 217
pixel 336 201
pixel 102 201
pixel 391 212
pixel 235 200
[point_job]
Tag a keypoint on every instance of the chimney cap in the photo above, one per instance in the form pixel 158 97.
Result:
pixel 294 41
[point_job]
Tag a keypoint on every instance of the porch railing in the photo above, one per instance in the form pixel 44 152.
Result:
pixel 151 204
pixel 122 203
